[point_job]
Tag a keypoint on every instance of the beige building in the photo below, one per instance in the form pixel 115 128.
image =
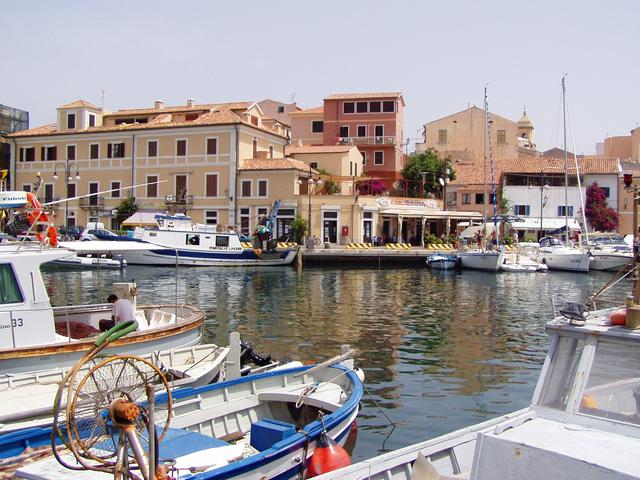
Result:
pixel 188 156
pixel 462 136
pixel 626 147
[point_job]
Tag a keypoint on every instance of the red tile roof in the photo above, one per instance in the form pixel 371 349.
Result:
pixel 80 103
pixel 355 96
pixel 181 108
pixel 308 110
pixel 274 164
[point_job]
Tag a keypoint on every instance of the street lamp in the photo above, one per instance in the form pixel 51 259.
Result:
pixel 67 178
pixel 310 182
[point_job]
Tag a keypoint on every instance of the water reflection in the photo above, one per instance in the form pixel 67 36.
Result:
pixel 440 350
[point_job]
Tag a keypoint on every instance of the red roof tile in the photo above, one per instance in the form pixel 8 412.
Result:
pixel 292 150
pixel 274 164
pixel 80 103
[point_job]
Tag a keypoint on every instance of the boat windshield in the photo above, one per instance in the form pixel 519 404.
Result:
pixel 550 242
pixel 612 387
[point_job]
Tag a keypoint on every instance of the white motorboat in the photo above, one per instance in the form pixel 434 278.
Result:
pixel 557 256
pixel 177 241
pixel 36 336
pixel 608 252
pixel 87 262
pixel 263 426
pixel 522 263
pixel 439 261
pixel 478 259
pixel 583 422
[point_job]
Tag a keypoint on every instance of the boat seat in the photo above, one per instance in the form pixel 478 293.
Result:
pixel 167 318
pixel 179 442
pixel 140 318
pixel 267 432
pixel 156 317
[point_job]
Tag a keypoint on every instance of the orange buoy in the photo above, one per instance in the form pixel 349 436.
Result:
pixel 328 456
pixel 618 317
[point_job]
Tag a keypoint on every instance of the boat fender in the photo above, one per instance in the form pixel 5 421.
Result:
pixel 52 236
pixel 618 317
pixel 328 456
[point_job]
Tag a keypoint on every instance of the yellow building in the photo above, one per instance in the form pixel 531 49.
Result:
pixel 188 156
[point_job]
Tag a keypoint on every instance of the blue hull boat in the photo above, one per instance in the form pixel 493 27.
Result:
pixel 439 261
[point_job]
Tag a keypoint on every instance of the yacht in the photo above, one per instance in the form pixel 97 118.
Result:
pixel 557 256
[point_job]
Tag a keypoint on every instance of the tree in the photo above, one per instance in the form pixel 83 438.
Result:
pixel 126 208
pixel 601 217
pixel 298 228
pixel 433 168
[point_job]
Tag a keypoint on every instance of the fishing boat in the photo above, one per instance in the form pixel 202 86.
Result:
pixel 177 241
pixel 271 425
pixel 36 336
pixel 440 261
pixel 89 262
pixel 488 256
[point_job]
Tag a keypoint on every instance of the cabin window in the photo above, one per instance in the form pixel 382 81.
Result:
pixel 562 370
pixel 222 241
pixel 610 391
pixel 9 288
pixel 193 239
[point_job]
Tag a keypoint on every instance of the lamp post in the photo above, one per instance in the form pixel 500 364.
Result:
pixel 67 178
pixel 310 182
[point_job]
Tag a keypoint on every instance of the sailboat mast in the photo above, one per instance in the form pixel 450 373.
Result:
pixel 484 168
pixel 566 173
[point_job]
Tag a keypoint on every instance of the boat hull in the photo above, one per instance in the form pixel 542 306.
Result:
pixel 247 257
pixel 610 261
pixel 442 262
pixel 482 260
pixel 573 262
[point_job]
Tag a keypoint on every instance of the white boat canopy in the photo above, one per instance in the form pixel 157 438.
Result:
pixel 531 223
pixel 142 219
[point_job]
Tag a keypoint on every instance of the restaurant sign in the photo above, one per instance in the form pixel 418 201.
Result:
pixel 407 202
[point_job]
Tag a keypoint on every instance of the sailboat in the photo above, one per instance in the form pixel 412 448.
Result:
pixel 492 257
pixel 554 253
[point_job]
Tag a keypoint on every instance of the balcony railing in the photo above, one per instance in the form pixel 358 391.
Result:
pixel 367 140
pixel 91 202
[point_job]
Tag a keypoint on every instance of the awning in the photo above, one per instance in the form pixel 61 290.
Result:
pixel 530 223
pixel 471 231
pixel 429 213
pixel 141 219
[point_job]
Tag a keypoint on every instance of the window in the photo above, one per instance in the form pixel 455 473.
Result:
pixel 317 126
pixel 362 130
pixel 607 191
pixel 71 190
pixel 502 137
pixel 479 198
pixel 521 210
pixel 561 211
pixel 262 213
pixel 152 148
pixel 262 188
pixel 190 117
pixel 388 106
pixel 48 153
pixel 71 120
pixel 48 192
pixel 26 187
pixel 378 158
pixel 466 199
pixel 115 150
pixel 222 241
pixel 364 158
pixel 192 239
pixel 313 165
pixel 344 131
pixel 246 188
pixel 280 109
pixel 94 151
pixel 211 217
pixel 71 152
pixel 374 107
pixel 442 137
pixel 362 107
pixel 348 107
pixel 255 147
pixel 211 186
pixel 27 154
pixel 92 120
pixel 350 169
pixel 270 151
pixel 244 221
pixel 212 146
pixel 379 133
pixel 115 189
pixel 9 288
pixel 152 189
pixel 181 148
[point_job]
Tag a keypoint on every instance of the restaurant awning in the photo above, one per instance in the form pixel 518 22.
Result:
pixel 420 212
pixel 530 223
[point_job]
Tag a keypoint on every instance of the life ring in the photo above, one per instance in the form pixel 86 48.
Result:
pixel 37 214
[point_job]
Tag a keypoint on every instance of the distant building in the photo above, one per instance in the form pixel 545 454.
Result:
pixel 462 136
pixel 11 120
pixel 373 122
pixel 625 147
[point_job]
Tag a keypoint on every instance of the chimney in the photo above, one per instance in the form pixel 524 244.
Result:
pixel 190 102
pixel 158 104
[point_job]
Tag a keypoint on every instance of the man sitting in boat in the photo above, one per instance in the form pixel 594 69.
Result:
pixel 122 312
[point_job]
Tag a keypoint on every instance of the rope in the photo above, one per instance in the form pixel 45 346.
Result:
pixel 378 406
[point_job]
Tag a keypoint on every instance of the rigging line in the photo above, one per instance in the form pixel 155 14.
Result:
pixel 378 406
pixel 575 159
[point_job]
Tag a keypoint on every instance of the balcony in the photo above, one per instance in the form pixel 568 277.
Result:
pixel 93 202
pixel 367 140
pixel 178 203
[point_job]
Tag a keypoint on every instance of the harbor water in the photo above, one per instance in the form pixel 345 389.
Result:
pixel 440 350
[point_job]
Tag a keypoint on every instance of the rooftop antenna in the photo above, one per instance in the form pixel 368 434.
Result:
pixel 293 97
pixel 103 92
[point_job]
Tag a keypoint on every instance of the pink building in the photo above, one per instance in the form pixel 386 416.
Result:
pixel 373 122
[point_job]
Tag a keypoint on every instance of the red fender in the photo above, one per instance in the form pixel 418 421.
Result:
pixel 328 456
pixel 52 235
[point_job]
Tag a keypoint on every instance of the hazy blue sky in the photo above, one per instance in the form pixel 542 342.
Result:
pixel 439 54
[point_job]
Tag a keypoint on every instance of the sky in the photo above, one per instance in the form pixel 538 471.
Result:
pixel 440 55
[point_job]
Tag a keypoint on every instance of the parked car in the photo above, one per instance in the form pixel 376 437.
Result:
pixel 71 233
pixel 97 234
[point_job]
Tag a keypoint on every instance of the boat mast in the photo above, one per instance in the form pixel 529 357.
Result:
pixel 484 169
pixel 566 174
pixel 493 181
